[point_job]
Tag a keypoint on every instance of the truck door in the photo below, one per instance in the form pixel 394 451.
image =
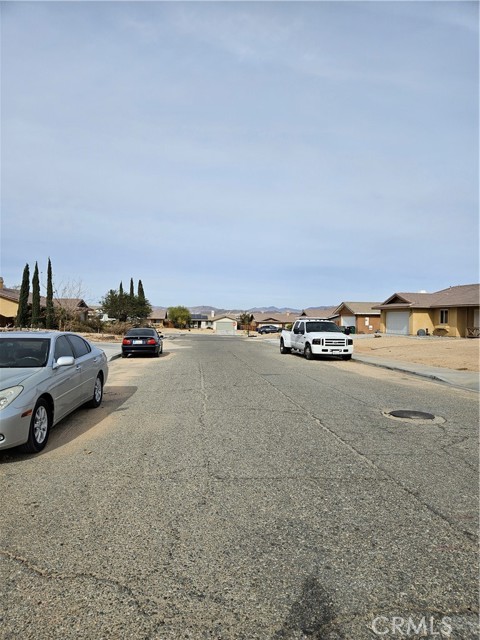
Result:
pixel 301 336
pixel 298 335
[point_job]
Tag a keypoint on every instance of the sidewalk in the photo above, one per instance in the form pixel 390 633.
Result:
pixel 112 349
pixel 462 379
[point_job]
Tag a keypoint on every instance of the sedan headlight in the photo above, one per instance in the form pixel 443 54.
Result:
pixel 8 395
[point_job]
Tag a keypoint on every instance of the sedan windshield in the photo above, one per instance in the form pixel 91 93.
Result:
pixel 19 353
pixel 315 327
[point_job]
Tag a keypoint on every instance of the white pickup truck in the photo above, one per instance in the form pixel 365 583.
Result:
pixel 316 336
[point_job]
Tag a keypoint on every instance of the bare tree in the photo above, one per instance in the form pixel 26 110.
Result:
pixel 69 303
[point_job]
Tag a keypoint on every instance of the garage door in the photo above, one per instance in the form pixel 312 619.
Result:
pixel 397 322
pixel 347 321
pixel 226 327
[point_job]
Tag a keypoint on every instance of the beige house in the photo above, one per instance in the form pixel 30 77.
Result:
pixel 451 312
pixel 361 315
pixel 9 300
pixel 9 305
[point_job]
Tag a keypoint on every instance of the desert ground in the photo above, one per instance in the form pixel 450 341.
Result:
pixel 462 354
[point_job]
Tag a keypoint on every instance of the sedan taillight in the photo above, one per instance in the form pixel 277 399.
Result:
pixel 151 341
pixel 125 341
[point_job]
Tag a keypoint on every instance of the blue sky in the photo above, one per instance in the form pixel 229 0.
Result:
pixel 241 154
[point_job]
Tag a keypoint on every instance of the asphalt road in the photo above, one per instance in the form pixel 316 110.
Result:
pixel 226 491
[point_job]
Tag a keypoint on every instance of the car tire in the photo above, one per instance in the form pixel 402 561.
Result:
pixel 96 400
pixel 40 426
pixel 160 351
pixel 283 348
pixel 347 356
pixel 307 352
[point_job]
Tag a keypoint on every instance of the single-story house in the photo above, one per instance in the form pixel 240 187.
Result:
pixel 74 306
pixel 451 312
pixel 9 304
pixel 9 300
pixel 276 319
pixel 225 325
pixel 361 315
pixel 158 317
pixel 201 321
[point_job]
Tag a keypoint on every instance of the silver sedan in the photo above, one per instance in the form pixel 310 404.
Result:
pixel 44 376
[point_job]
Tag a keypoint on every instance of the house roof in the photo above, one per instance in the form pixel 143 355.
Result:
pixel 72 303
pixel 158 313
pixel 267 318
pixel 328 312
pixel 224 316
pixel 466 295
pixel 14 295
pixel 359 308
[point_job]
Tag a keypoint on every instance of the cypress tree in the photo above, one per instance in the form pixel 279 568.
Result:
pixel 122 305
pixel 141 294
pixel 35 298
pixel 22 313
pixel 50 314
pixel 144 308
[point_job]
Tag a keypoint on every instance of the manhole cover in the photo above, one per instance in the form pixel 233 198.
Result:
pixel 412 416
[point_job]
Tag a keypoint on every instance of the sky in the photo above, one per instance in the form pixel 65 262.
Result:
pixel 241 154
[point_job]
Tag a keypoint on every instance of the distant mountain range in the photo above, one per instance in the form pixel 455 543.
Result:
pixel 207 310
pixel 218 312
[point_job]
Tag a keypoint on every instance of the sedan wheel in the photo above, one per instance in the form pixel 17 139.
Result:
pixel 97 393
pixel 40 425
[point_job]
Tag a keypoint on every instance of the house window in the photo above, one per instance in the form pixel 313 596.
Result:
pixel 443 316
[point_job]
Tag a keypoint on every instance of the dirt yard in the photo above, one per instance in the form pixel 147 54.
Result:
pixel 462 354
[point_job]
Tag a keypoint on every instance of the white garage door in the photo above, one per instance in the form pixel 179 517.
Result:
pixel 347 321
pixel 397 322
pixel 226 327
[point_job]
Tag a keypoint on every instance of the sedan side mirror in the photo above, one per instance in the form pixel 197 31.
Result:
pixel 64 361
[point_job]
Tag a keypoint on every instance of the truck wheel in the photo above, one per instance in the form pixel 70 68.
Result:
pixel 307 352
pixel 347 356
pixel 283 348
